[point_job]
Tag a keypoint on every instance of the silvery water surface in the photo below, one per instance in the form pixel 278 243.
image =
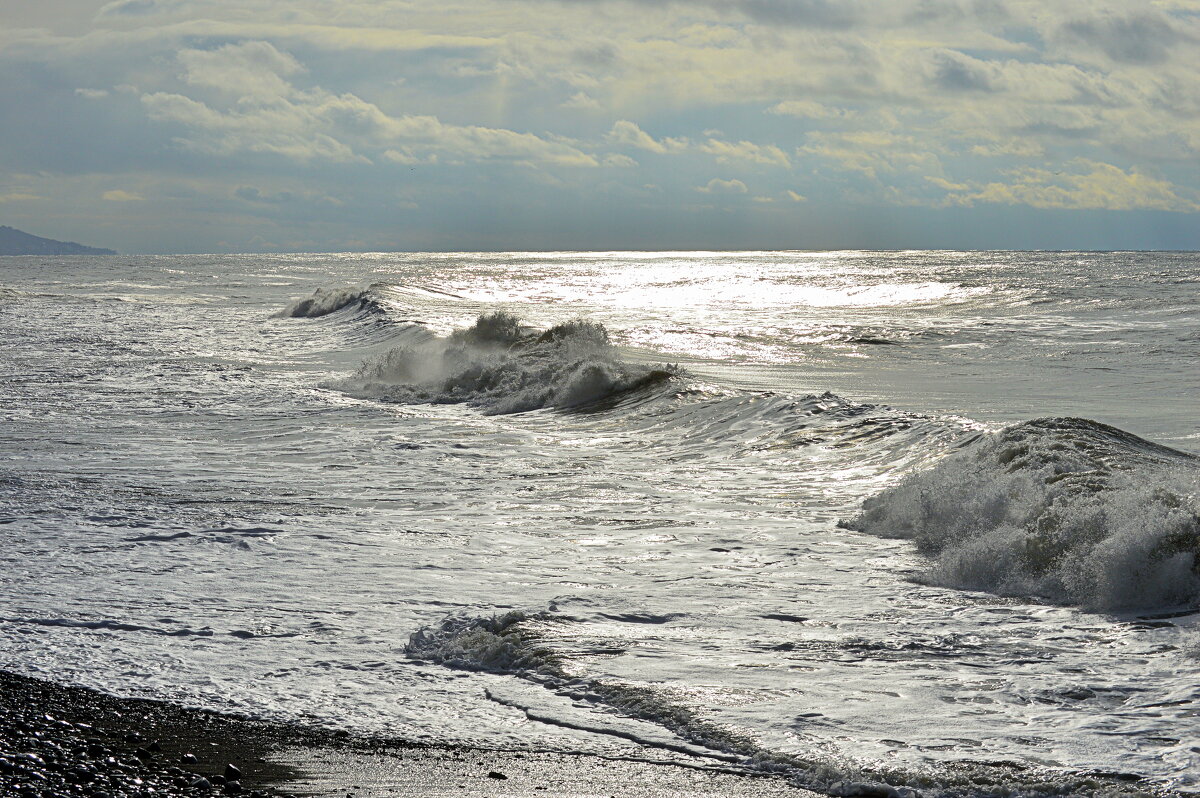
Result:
pixel 920 518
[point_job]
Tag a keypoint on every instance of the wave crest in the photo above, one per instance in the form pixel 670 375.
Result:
pixel 325 301
pixel 503 366
pixel 1066 509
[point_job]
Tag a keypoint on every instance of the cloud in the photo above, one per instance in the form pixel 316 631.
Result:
pixel 1144 37
pixel 953 71
pixel 248 70
pixel 286 129
pixel 719 186
pixel 852 104
pixel 628 134
pixel 726 151
pixel 120 195
pixel 19 196
pixel 807 109
pixel 582 101
pixel 1095 186
pixel 256 195
pixel 619 160
pixel 1012 148
pixel 419 134
pixel 141 8
pixel 876 155
pixel 262 112
pixel 808 13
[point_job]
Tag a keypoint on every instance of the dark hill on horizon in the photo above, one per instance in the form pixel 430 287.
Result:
pixel 17 242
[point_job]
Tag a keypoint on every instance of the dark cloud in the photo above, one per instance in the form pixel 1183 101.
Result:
pixel 597 55
pixel 924 12
pixel 846 14
pixel 140 8
pixel 1144 38
pixel 1058 130
pixel 252 194
pixel 815 13
pixel 954 71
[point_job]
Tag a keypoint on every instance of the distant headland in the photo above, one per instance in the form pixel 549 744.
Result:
pixel 17 242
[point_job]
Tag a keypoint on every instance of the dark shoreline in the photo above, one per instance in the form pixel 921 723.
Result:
pixel 60 740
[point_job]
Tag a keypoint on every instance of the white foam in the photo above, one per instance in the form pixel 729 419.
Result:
pixel 1065 509
pixel 514 643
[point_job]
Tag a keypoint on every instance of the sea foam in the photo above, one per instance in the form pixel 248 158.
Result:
pixel 1065 509
pixel 514 643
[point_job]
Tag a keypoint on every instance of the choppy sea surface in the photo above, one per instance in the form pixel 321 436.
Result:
pixel 922 519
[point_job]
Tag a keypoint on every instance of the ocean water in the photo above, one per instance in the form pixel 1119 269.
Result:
pixel 924 519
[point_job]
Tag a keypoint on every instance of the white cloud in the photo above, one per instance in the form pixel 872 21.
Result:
pixel 92 94
pixel 120 195
pixel 628 134
pixel 875 155
pixel 250 69
pixel 19 196
pixel 726 152
pixel 719 186
pixel 267 114
pixel 807 109
pixel 581 101
pixel 1093 186
pixel 619 160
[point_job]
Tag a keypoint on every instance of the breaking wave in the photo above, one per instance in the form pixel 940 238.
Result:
pixel 1065 509
pixel 503 366
pixel 325 301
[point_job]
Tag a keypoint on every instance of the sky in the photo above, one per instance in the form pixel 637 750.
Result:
pixel 162 126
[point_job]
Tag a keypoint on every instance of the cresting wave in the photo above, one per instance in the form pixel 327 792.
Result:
pixel 501 366
pixel 325 301
pixel 1065 509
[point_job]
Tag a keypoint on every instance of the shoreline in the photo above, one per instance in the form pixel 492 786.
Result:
pixel 60 739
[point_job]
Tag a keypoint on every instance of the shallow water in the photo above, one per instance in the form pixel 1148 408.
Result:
pixel 757 506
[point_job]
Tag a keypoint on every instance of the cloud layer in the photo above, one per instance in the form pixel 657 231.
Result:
pixel 603 123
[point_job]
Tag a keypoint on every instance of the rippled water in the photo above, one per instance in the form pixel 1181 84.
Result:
pixel 754 505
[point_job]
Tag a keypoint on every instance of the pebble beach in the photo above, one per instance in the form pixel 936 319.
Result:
pixel 59 740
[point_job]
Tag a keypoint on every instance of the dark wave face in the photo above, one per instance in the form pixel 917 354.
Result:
pixel 1063 508
pixel 501 366
pixel 325 301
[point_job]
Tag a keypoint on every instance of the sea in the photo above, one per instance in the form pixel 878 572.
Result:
pixel 884 523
